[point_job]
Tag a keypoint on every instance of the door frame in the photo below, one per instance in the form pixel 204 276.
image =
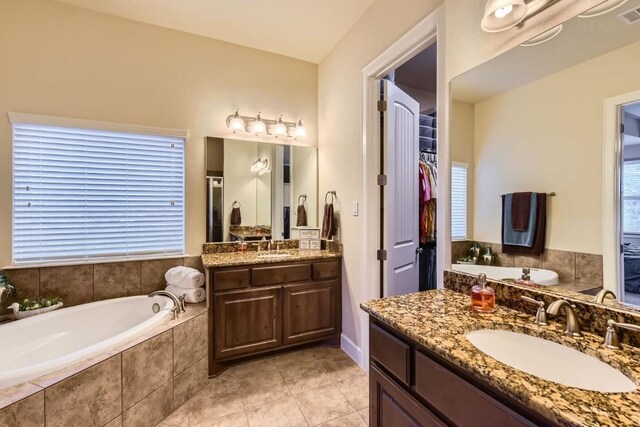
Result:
pixel 429 30
pixel 611 164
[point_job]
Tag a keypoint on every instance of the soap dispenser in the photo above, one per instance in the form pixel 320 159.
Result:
pixel 525 279
pixel 483 297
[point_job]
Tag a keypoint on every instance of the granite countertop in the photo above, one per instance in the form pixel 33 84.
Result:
pixel 439 320
pixel 230 259
pixel 252 233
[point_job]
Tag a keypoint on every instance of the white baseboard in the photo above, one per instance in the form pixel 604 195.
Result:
pixel 351 349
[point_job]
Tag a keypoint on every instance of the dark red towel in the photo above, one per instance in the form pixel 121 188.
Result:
pixel 520 209
pixel 541 231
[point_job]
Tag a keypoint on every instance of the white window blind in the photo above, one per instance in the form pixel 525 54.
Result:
pixel 459 201
pixel 81 194
pixel 631 197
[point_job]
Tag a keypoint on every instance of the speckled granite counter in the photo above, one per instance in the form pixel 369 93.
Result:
pixel 439 320
pixel 253 257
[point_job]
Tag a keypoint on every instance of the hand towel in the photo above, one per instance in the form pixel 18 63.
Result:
pixel 301 220
pixel 236 216
pixel 184 277
pixel 521 207
pixel 192 296
pixel 540 232
pixel 328 222
pixel 519 238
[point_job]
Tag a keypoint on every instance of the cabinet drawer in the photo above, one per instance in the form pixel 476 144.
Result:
pixel 463 403
pixel 230 279
pixel 391 353
pixel 326 270
pixel 391 406
pixel 278 274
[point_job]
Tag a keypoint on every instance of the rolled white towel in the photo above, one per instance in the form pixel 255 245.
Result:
pixel 193 296
pixel 184 277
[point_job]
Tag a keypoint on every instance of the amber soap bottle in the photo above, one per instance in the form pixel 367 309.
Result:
pixel 483 297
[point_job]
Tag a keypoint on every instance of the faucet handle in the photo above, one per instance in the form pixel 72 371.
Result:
pixel 541 314
pixel 181 298
pixel 611 336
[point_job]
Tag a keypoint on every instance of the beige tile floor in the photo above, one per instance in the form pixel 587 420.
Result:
pixel 310 387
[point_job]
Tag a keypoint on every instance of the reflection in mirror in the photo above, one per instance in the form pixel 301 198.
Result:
pixel 530 123
pixel 254 190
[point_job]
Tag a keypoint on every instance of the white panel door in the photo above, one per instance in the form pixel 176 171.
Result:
pixel 401 205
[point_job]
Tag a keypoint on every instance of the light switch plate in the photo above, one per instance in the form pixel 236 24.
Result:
pixel 354 209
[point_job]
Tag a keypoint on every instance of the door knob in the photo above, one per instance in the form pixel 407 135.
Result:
pixel 419 250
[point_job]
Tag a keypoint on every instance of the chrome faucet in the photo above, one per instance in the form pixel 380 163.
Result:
pixel 611 336
pixel 177 306
pixel 602 294
pixel 573 323
pixel 541 314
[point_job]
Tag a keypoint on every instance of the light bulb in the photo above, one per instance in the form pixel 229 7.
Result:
pixel 259 126
pixel 300 131
pixel 503 11
pixel 236 123
pixel 280 128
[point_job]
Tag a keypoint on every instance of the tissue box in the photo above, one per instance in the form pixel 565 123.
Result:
pixel 309 238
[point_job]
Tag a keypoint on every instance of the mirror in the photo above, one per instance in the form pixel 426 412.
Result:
pixel 259 190
pixel 533 120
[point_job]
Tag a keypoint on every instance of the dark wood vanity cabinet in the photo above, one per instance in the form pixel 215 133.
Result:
pixel 258 309
pixel 411 386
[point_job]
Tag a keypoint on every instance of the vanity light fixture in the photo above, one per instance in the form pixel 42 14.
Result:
pixel 280 128
pixel 602 8
pixel 500 15
pixel 544 37
pixel 236 123
pixel 259 126
pixel 260 165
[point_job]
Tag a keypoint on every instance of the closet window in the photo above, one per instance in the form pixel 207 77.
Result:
pixel 631 197
pixel 459 201
pixel 81 192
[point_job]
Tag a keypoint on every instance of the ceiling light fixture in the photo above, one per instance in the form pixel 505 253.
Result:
pixel 259 126
pixel 544 37
pixel 603 8
pixel 500 15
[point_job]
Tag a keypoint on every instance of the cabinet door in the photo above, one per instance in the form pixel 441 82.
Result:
pixel 311 311
pixel 247 321
pixel 391 406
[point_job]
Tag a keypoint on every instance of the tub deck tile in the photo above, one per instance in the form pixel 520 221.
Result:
pixel 16 393
pixel 27 412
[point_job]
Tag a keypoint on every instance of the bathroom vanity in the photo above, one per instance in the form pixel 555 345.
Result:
pixel 424 370
pixel 261 303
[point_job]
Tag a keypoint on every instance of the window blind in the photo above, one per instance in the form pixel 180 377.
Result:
pixel 459 202
pixel 82 194
pixel 631 197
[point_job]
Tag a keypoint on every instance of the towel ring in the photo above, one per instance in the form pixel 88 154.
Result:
pixel 235 202
pixel 304 199
pixel 333 194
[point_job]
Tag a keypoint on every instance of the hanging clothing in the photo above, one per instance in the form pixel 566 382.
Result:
pixel 428 194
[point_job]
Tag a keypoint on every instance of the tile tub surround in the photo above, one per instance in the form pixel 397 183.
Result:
pixel 80 284
pixel 575 269
pixel 593 317
pixel 438 321
pixel 308 387
pixel 137 383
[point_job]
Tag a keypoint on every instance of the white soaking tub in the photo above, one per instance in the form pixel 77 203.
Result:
pixel 538 275
pixel 43 344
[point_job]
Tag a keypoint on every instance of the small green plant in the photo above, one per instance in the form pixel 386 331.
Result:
pixel 27 304
pixel 6 284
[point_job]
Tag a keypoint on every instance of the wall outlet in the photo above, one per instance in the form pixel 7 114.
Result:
pixel 354 209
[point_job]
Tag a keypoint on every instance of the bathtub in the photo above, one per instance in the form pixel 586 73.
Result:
pixel 43 344
pixel 538 275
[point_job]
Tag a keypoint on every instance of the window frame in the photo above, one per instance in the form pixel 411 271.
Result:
pixel 463 165
pixel 16 118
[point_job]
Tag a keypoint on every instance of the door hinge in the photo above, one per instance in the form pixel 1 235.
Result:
pixel 381 255
pixel 621 127
pixel 382 106
pixel 382 180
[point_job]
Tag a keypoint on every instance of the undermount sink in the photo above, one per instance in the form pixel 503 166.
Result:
pixel 550 361
pixel 274 256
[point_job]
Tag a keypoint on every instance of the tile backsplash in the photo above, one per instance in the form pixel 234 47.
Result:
pixel 80 284
pixel 572 267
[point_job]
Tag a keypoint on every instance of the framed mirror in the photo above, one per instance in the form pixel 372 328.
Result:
pixel 545 148
pixel 258 190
